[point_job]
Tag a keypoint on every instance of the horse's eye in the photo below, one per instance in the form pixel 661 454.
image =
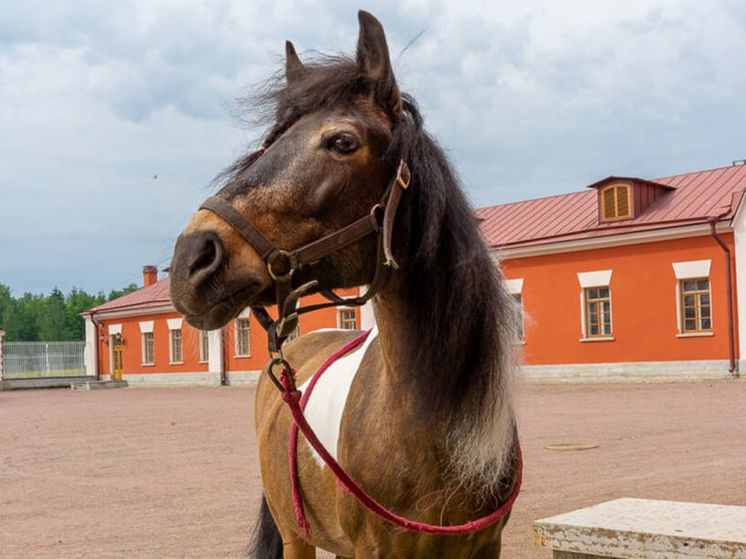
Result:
pixel 343 143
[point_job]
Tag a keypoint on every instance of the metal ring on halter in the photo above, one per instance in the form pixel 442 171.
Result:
pixel 280 277
pixel 277 360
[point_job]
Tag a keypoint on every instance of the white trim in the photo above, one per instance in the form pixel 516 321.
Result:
pixel 145 363
pixel 598 339
pixel 215 341
pixel 602 278
pixel 146 326
pixel 340 310
pixel 246 313
pixel 514 286
pixel 90 355
pixel 367 316
pixel 200 335
pixel 697 266
pixel 171 346
pixel 589 276
pixel 115 329
pixel 235 338
pixel 141 311
pixel 174 323
pixel 692 269
pixel 622 239
pixel 739 257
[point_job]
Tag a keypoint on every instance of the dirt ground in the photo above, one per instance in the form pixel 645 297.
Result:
pixel 172 472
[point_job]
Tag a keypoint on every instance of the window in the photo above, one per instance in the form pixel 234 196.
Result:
pixel 518 298
pixel 597 311
pixel 148 348
pixel 243 338
pixel 176 346
pixel 347 319
pixel 615 202
pixel 204 346
pixel 147 342
pixel 695 305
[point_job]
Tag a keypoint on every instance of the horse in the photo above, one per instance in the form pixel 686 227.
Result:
pixel 420 413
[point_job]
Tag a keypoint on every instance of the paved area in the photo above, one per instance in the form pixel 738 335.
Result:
pixel 172 472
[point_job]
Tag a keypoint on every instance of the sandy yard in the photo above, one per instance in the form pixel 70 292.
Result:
pixel 172 472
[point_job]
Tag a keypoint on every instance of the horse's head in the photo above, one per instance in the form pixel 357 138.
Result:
pixel 325 163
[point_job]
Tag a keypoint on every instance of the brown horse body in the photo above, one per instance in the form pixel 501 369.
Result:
pixel 426 424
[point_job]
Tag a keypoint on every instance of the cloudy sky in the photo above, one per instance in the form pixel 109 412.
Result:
pixel 529 98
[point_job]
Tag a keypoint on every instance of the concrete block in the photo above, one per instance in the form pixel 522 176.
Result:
pixel 646 529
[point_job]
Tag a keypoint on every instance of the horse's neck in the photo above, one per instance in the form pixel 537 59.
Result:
pixel 479 445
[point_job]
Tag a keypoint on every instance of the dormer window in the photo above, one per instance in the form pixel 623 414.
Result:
pixel 621 198
pixel 615 202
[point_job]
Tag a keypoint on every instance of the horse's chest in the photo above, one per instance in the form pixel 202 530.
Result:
pixel 331 391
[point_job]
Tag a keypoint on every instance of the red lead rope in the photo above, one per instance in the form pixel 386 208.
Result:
pixel 297 404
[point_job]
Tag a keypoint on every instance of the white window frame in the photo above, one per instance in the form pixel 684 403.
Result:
pixel 204 344
pixel 692 269
pixel 340 321
pixel 235 337
pixel 600 278
pixel 515 288
pixel 174 324
pixel 146 327
pixel 171 339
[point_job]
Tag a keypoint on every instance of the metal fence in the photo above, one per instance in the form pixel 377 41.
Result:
pixel 43 359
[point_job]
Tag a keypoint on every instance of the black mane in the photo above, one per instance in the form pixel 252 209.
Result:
pixel 462 320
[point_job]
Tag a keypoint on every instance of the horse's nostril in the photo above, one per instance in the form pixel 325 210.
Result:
pixel 205 254
pixel 204 258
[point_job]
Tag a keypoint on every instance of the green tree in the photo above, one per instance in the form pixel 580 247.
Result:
pixel 19 322
pixel 52 318
pixel 77 302
pixel 5 300
pixel 115 293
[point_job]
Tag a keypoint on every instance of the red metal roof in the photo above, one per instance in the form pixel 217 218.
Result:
pixel 155 295
pixel 695 198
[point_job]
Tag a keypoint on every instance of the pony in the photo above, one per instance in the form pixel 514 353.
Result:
pixel 420 414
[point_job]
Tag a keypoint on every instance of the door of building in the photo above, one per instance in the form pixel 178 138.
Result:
pixel 116 356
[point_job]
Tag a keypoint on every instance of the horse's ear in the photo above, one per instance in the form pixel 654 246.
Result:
pixel 374 62
pixel 293 65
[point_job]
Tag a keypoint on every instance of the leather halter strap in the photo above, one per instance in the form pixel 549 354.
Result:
pixel 282 264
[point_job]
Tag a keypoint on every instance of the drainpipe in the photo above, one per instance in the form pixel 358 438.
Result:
pixel 223 360
pixel 729 293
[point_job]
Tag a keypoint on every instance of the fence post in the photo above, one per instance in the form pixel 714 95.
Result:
pixel 2 334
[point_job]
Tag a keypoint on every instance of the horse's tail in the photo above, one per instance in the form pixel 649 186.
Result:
pixel 266 542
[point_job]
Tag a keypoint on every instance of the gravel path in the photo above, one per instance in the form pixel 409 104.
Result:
pixel 172 472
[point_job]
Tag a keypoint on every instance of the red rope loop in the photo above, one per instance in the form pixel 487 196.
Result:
pixel 296 403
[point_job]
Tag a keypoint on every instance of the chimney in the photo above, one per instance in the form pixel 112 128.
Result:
pixel 149 275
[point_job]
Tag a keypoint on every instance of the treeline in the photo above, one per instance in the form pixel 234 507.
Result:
pixel 53 317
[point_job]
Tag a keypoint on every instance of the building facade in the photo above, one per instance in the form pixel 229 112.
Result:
pixel 629 279
pixel 141 338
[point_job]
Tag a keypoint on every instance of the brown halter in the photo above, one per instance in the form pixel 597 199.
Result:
pixel 282 264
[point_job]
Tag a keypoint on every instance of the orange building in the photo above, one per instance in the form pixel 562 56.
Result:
pixel 142 339
pixel 630 278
